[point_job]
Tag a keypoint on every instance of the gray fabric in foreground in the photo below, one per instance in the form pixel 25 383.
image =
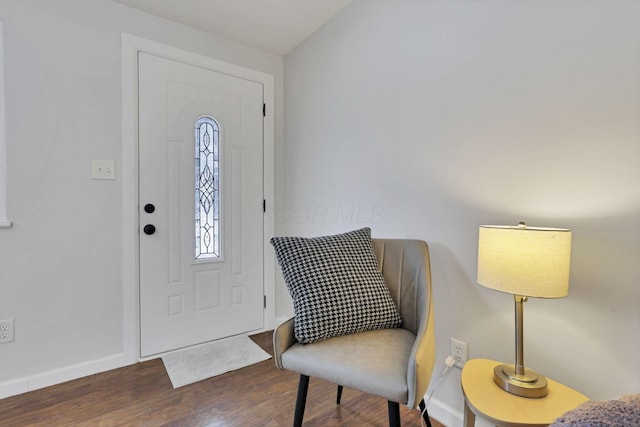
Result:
pixel 197 363
pixel 623 412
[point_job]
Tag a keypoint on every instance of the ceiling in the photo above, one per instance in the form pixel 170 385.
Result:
pixel 274 26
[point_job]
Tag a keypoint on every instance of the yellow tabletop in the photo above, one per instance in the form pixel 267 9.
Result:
pixel 485 398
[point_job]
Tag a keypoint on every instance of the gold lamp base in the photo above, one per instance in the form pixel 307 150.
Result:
pixel 529 384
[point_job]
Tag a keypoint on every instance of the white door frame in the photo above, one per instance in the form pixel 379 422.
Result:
pixel 131 45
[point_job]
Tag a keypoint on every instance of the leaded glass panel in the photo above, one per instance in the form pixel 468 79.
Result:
pixel 207 188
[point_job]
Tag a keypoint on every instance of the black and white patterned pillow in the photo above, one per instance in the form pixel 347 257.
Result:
pixel 336 285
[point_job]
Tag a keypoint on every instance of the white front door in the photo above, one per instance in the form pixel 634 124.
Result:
pixel 200 203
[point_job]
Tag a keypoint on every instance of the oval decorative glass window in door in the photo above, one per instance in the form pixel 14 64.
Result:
pixel 207 188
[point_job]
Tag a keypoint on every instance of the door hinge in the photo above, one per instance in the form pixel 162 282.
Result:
pixel 264 205
pixel 264 110
pixel 265 301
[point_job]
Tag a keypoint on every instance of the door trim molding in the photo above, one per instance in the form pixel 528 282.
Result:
pixel 130 46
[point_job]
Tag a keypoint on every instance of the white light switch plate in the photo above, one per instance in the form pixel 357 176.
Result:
pixel 103 169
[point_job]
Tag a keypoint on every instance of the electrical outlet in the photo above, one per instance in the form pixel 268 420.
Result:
pixel 458 352
pixel 6 331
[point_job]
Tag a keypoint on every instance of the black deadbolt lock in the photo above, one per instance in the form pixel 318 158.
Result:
pixel 149 208
pixel 149 229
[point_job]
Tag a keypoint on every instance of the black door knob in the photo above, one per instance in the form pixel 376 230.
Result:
pixel 149 208
pixel 149 229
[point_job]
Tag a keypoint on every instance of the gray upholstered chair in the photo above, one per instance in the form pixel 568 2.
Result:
pixel 395 364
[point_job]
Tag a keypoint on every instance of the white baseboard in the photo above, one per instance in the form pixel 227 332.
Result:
pixel 57 376
pixel 444 413
pixel 450 416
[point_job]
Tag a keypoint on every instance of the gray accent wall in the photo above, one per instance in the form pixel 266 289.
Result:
pixel 426 119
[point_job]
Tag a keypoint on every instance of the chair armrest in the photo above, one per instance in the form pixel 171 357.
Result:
pixel 283 338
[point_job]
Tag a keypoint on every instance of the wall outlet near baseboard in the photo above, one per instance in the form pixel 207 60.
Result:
pixel 458 352
pixel 6 331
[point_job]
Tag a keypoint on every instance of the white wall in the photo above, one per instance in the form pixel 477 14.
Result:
pixel 61 274
pixel 425 119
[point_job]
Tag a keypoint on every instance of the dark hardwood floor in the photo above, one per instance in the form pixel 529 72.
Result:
pixel 142 395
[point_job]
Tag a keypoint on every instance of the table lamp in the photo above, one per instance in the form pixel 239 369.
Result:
pixel 526 262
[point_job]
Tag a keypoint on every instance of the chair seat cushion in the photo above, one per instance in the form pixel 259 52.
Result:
pixel 336 285
pixel 374 361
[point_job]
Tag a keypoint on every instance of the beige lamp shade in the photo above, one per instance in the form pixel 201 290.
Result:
pixel 527 261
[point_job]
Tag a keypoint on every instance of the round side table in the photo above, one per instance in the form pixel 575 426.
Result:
pixel 484 398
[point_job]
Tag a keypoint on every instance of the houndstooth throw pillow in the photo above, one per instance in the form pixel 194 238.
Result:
pixel 336 285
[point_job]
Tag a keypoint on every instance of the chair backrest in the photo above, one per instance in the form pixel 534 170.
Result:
pixel 406 268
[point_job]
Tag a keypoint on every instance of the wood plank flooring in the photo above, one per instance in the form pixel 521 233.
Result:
pixel 142 395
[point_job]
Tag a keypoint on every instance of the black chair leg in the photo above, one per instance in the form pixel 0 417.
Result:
pixel 339 394
pixel 394 414
pixel 425 414
pixel 301 400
